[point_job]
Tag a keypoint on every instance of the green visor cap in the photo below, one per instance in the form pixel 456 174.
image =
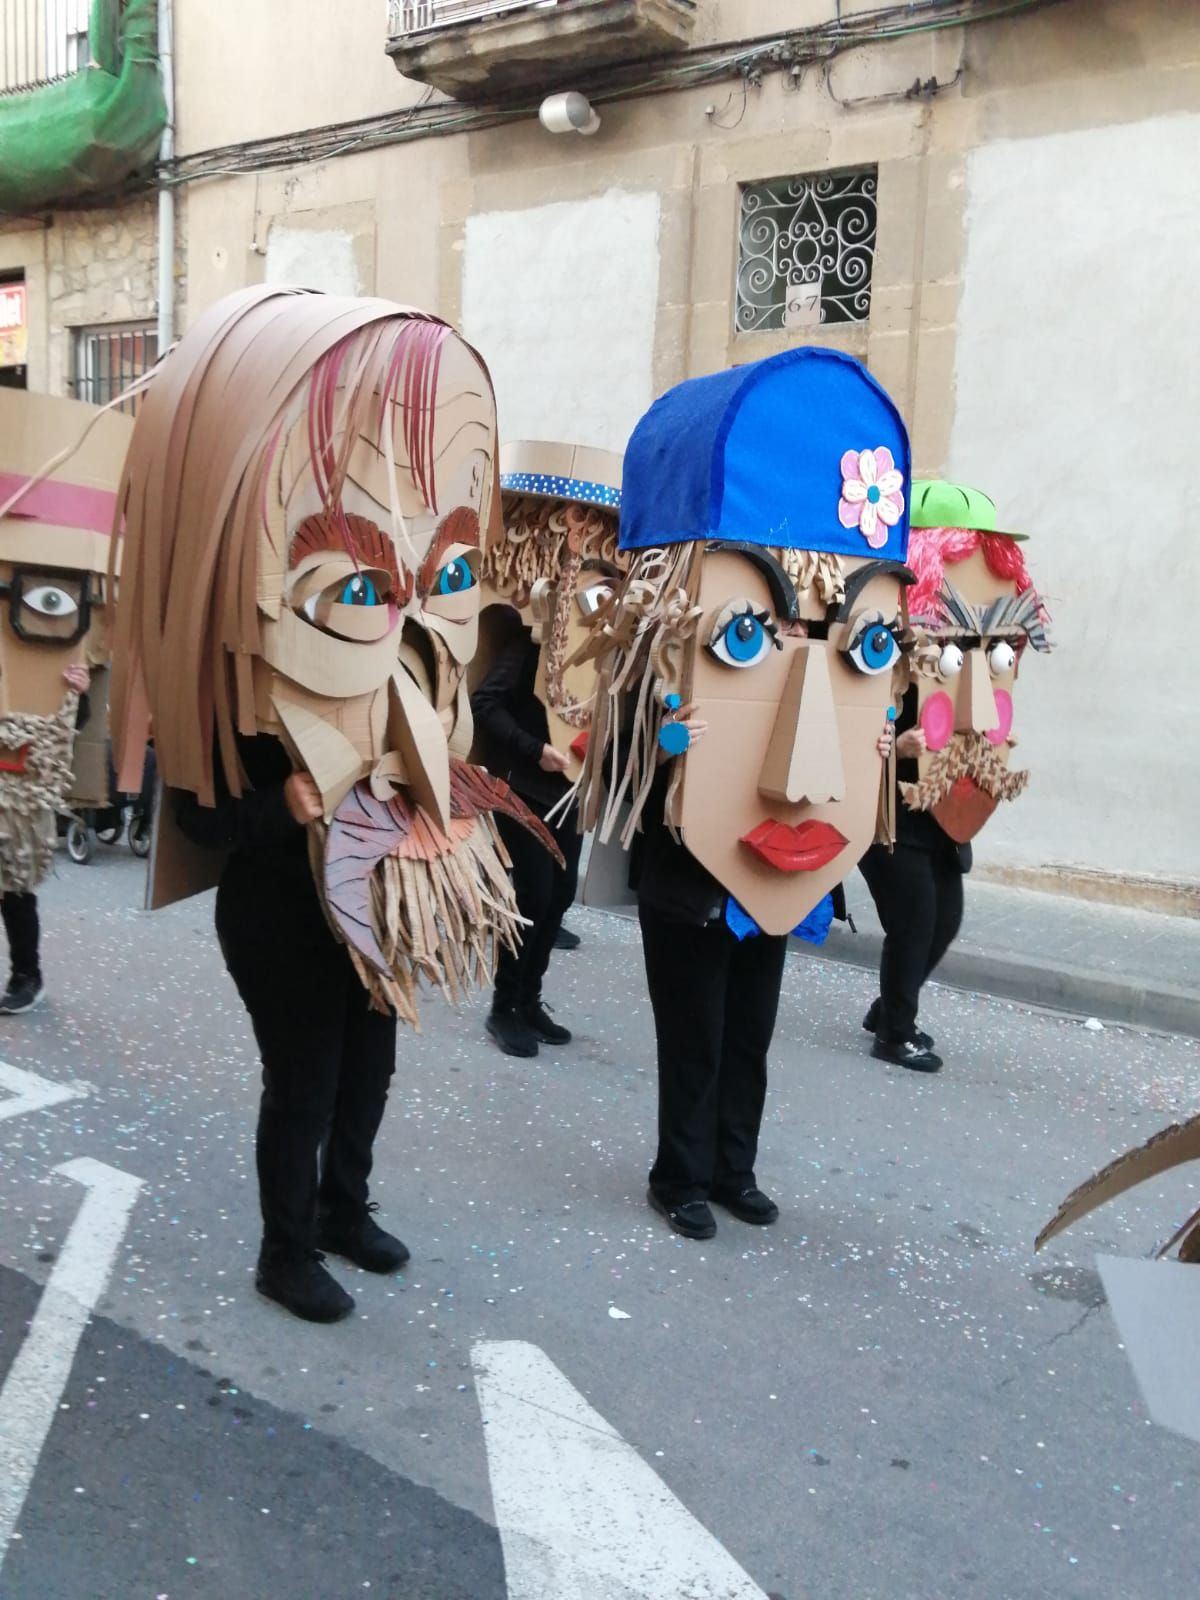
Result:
pixel 938 504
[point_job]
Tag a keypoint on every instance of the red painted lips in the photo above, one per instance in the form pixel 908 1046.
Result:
pixel 804 848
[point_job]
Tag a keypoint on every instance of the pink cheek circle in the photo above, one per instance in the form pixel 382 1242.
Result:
pixel 937 721
pixel 1004 706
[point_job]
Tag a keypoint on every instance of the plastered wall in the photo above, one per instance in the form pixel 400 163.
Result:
pixel 1077 408
pixel 568 309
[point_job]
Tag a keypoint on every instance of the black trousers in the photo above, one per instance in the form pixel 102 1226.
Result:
pixel 327 1058
pixel 918 894
pixel 20 913
pixel 715 1001
pixel 544 893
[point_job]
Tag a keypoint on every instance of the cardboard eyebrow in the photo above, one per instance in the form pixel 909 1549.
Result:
pixel 783 590
pixel 857 580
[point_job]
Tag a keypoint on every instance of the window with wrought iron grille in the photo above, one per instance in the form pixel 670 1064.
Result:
pixel 805 249
pixel 109 357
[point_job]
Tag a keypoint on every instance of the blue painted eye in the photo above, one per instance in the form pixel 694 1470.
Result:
pixel 875 648
pixel 359 590
pixel 455 577
pixel 744 639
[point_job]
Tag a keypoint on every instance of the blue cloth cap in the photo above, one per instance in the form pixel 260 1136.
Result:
pixel 755 455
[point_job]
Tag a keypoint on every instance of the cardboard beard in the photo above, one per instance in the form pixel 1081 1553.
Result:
pixel 54 553
pixel 973 610
pixel 765 512
pixel 302 502
pixel 1155 1304
pixel 557 563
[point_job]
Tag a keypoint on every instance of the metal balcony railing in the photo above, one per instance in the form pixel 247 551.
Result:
pixel 41 41
pixel 426 16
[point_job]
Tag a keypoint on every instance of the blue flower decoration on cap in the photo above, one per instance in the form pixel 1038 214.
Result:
pixel 804 451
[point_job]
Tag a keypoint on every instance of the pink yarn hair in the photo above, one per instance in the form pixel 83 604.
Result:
pixel 930 550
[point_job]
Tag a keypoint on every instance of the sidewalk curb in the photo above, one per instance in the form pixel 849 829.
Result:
pixel 1058 988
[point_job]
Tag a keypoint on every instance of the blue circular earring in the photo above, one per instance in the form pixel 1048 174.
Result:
pixel 673 737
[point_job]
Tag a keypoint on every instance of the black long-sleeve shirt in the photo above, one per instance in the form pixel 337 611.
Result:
pixel 259 821
pixel 511 728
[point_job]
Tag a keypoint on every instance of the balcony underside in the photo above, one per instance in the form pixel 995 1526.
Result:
pixel 535 51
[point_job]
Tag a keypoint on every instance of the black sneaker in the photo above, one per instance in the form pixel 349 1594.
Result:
pixel 871 1022
pixel 748 1205
pixel 303 1287
pixel 564 939
pixel 22 994
pixel 544 1026
pixel 907 1053
pixel 362 1241
pixel 512 1033
pixel 692 1219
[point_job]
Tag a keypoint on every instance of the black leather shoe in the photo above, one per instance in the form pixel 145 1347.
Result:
pixel 692 1219
pixel 748 1205
pixel 512 1033
pixel 907 1053
pixel 362 1241
pixel 303 1287
pixel 871 1022
pixel 564 939
pixel 543 1024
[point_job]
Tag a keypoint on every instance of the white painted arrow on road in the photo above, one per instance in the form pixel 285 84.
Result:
pixel 581 1516
pixel 29 1092
pixel 38 1376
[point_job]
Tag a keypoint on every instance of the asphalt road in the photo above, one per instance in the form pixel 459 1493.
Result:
pixel 885 1396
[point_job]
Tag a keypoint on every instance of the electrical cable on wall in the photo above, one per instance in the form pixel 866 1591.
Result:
pixel 746 59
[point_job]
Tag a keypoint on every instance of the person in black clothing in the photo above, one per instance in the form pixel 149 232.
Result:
pixel 514 739
pixel 776 606
pixel 918 892
pixel 19 908
pixel 715 1000
pixel 327 1057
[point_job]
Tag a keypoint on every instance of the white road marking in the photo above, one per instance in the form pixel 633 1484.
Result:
pixel 581 1515
pixel 30 1092
pixel 38 1376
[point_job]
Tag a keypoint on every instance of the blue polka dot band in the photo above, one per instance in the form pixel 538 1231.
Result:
pixel 552 488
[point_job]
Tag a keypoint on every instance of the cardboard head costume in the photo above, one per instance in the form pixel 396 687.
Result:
pixel 766 513
pixel 974 610
pixel 54 554
pixel 303 500
pixel 556 562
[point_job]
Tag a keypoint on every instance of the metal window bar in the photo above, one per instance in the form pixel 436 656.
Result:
pixel 423 16
pixel 805 250
pixel 108 359
pixel 41 41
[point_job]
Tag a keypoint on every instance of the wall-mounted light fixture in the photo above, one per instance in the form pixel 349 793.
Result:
pixel 568 113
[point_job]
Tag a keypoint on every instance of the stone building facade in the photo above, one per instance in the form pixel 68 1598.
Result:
pixel 1033 230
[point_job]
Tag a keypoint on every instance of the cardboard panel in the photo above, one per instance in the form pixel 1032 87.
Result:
pixel 779 727
pixel 1156 1307
pixel 966 711
pixel 90 758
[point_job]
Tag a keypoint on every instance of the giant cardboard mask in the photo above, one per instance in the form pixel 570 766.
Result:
pixel 303 502
pixel 974 611
pixel 54 556
pixel 766 513
pixel 557 563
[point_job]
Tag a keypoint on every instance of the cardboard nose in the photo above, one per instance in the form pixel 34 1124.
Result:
pixel 804 757
pixel 975 704
pixel 416 734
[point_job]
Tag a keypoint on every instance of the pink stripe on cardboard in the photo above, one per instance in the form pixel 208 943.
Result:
pixel 68 505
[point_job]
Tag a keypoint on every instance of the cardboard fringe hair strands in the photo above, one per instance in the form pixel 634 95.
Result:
pixel 302 505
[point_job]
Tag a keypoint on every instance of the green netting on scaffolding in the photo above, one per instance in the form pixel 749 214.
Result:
pixel 91 133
